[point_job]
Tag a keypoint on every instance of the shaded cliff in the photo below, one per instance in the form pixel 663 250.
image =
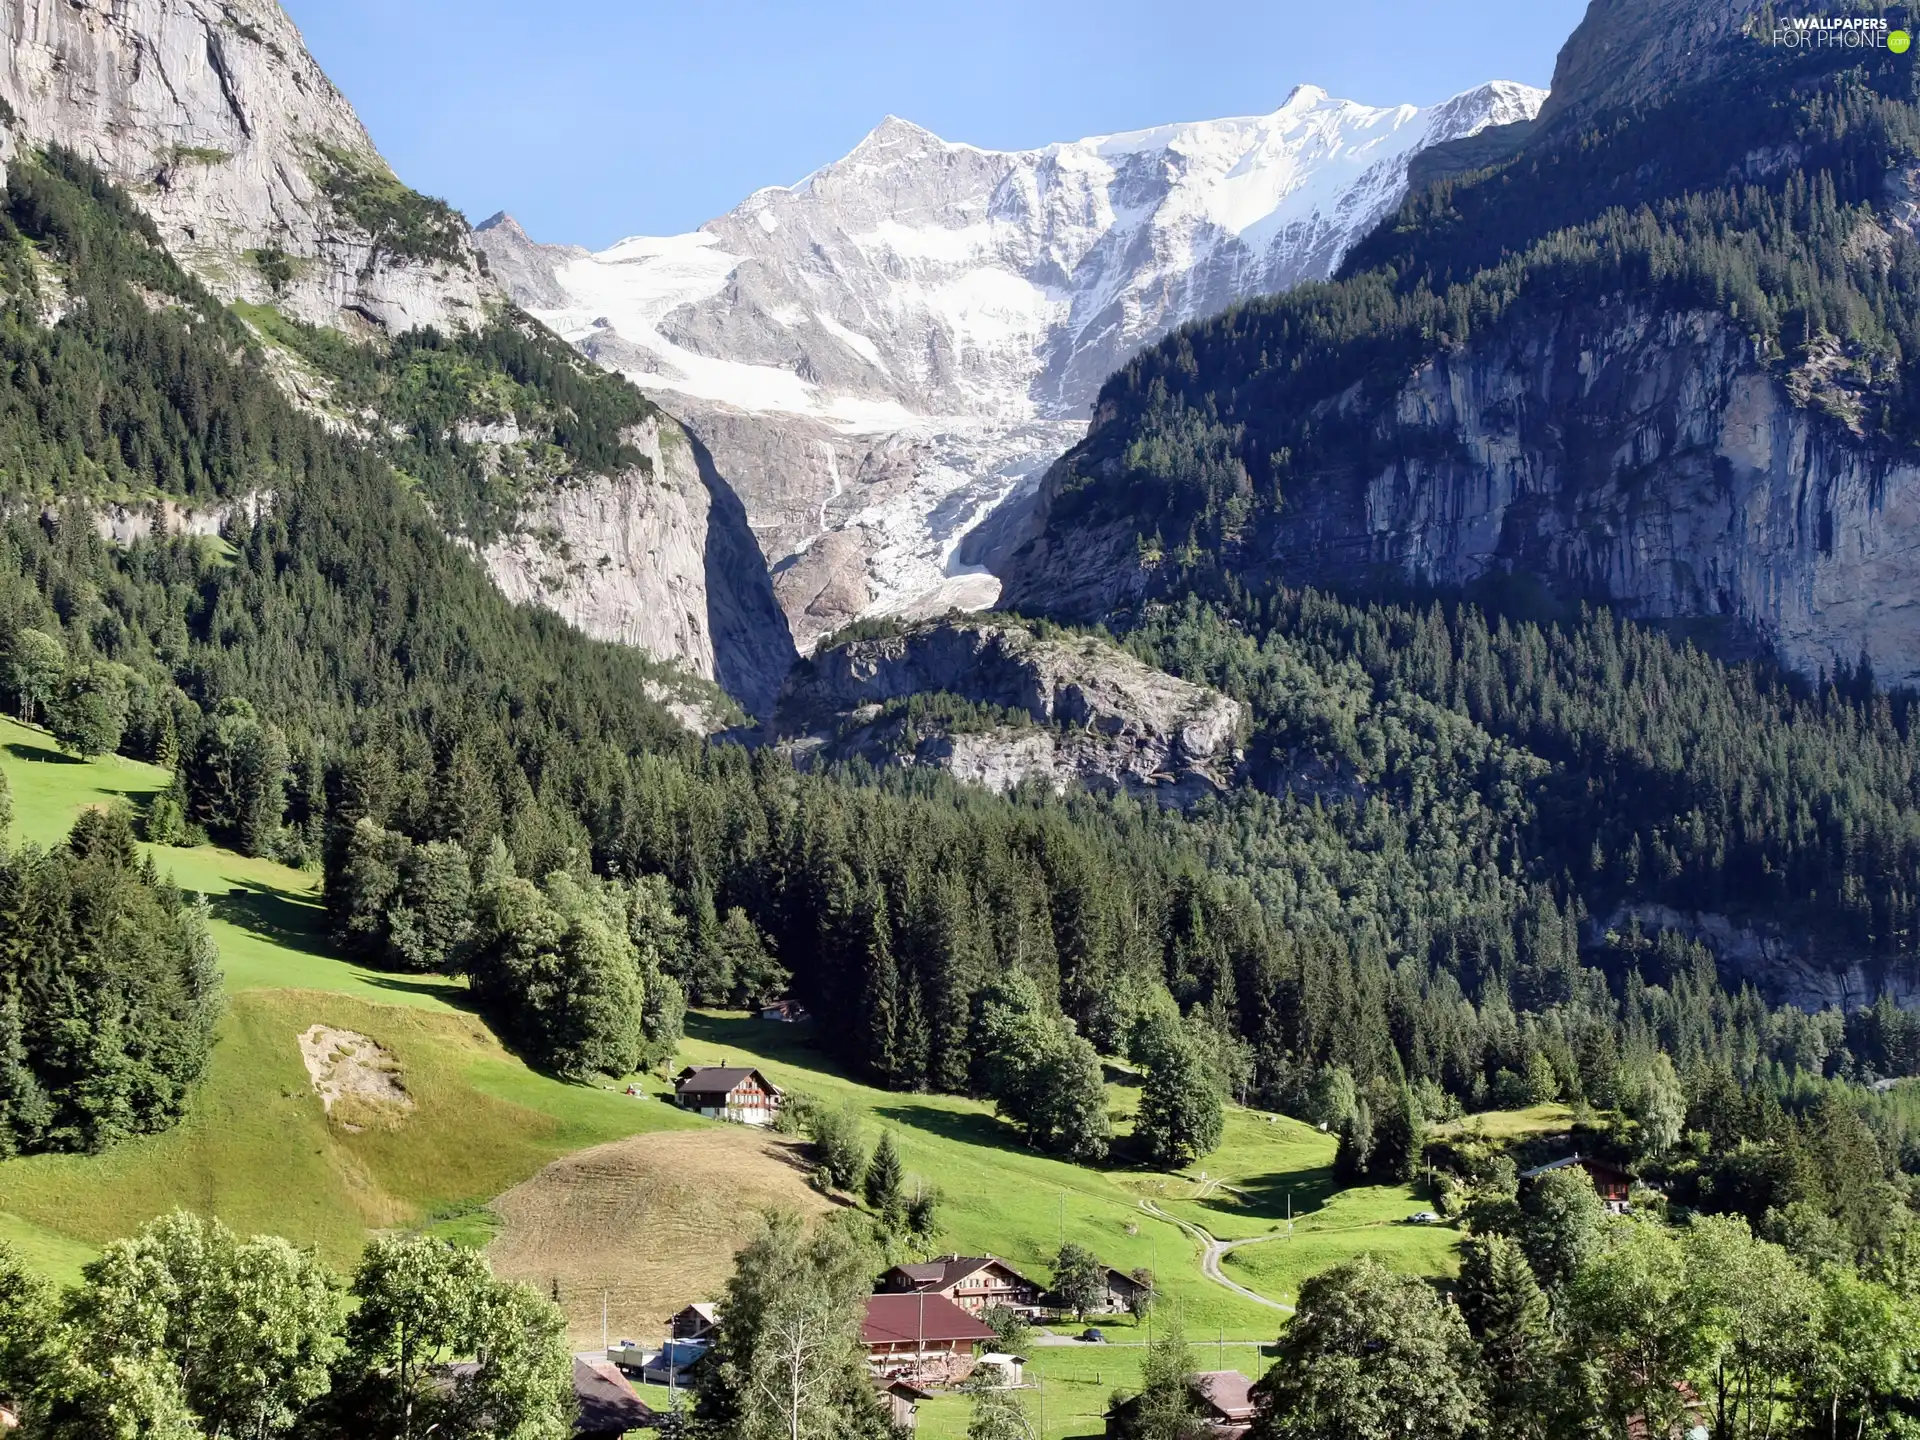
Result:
pixel 1680 379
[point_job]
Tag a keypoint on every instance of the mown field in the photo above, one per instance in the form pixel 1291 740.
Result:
pixel 622 1201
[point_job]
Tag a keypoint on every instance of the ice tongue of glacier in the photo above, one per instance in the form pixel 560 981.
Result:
pixel 881 353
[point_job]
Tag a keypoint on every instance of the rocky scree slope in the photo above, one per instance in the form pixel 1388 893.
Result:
pixel 261 180
pixel 882 353
pixel 1602 364
pixel 998 704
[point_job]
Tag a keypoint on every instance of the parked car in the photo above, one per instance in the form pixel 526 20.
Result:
pixel 1424 1217
pixel 1093 1336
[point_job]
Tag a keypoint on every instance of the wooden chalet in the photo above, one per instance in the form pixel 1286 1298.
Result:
pixel 606 1404
pixel 783 1012
pixel 973 1282
pixel 727 1092
pixel 1611 1183
pixel 1223 1398
pixel 1117 1295
pixel 695 1322
pixel 922 1338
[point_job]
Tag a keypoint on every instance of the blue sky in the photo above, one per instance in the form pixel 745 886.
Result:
pixel 595 119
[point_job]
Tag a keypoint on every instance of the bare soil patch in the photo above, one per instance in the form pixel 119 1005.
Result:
pixel 357 1079
pixel 653 1222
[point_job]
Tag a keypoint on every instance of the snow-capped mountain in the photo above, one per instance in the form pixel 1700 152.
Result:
pixel 880 354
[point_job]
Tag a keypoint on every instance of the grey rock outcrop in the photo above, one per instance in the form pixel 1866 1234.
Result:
pixel 1648 459
pixel 658 557
pixel 1786 968
pixel 218 121
pixel 224 130
pixel 1087 712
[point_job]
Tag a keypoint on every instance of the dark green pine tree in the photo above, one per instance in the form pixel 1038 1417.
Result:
pixel 1353 1159
pixel 1512 1322
pixel 885 1185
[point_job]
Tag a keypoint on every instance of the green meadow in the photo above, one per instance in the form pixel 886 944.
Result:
pixel 258 1148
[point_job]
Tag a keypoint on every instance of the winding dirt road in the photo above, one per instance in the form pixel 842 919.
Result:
pixel 1213 1251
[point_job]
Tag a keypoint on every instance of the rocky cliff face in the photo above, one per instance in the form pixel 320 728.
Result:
pixel 881 354
pixel 262 180
pixel 1058 709
pixel 1616 453
pixel 256 170
pixel 656 558
pixel 1789 968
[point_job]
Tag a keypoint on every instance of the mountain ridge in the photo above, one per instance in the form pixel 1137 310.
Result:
pixel 884 351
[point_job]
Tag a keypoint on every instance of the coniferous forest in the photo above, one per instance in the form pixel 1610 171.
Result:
pixel 1447 880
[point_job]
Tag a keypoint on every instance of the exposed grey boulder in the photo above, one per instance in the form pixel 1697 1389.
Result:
pixel 1058 708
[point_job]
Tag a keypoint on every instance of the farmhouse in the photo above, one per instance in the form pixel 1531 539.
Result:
pixel 1610 1182
pixel 1118 1292
pixel 785 1012
pixel 695 1322
pixel 973 1282
pixel 727 1092
pixel 1223 1398
pixel 606 1405
pixel 920 1338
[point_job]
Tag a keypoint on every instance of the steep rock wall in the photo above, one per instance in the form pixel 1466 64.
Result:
pixel 1098 716
pixel 213 114
pixel 658 557
pixel 1647 459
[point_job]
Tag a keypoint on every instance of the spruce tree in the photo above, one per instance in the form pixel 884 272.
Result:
pixel 885 1182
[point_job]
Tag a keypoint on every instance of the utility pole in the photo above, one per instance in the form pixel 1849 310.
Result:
pixel 1063 1217
pixel 603 1320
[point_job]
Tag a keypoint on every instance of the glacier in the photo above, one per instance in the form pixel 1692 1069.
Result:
pixel 881 355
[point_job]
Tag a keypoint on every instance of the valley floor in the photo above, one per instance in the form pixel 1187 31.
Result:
pixel 620 1205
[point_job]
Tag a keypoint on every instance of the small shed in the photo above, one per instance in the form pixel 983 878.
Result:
pixel 783 1012
pixel 694 1322
pixel 1006 1371
pixel 902 1400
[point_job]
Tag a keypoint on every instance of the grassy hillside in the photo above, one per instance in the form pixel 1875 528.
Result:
pixel 257 1147
pixel 584 1192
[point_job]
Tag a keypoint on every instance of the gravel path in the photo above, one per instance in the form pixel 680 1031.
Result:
pixel 1213 1251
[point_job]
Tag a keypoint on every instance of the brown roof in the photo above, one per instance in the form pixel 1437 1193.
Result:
pixel 1228 1392
pixel 608 1404
pixel 893 1319
pixel 718 1080
pixel 950 1270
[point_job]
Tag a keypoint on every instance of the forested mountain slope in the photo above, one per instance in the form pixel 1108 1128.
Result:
pixel 1679 377
pixel 261 183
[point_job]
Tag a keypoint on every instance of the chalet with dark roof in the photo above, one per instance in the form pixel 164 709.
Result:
pixel 727 1092
pixel 1611 1183
pixel 1223 1399
pixel 973 1282
pixel 921 1338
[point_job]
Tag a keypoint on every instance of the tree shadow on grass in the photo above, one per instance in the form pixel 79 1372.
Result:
pixel 41 754
pixel 285 918
pixel 1265 1197
pixel 968 1126
pixel 777 1040
pixel 457 997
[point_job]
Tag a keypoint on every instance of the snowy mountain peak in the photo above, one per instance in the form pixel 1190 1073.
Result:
pixel 920 325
